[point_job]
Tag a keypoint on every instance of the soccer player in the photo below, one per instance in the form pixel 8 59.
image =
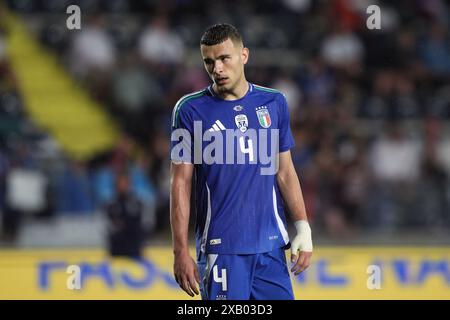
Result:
pixel 241 234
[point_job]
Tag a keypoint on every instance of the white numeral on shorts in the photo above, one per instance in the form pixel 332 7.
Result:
pixel 222 279
pixel 249 149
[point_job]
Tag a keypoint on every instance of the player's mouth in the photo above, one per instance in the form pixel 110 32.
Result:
pixel 221 80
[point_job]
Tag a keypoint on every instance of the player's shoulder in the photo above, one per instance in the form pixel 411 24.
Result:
pixel 268 91
pixel 189 98
pixel 185 102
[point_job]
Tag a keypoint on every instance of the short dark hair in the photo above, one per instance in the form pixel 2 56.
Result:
pixel 219 33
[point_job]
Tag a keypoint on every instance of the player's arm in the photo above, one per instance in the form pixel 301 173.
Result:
pixel 185 268
pixel 292 194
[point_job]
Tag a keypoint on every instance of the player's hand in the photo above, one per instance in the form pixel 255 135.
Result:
pixel 186 273
pixel 303 243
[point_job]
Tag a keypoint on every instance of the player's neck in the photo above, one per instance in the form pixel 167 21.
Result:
pixel 237 93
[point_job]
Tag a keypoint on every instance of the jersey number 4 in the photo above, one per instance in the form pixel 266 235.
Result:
pixel 246 149
pixel 222 279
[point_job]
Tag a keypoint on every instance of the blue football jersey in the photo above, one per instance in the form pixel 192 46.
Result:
pixel 234 146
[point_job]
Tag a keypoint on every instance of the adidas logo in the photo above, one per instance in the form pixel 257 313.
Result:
pixel 217 126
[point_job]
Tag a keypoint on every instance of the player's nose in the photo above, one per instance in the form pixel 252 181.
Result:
pixel 218 67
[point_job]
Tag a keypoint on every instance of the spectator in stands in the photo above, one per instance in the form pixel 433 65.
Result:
pixel 318 83
pixel 287 85
pixel 133 88
pixel 395 157
pixel 92 49
pixel 74 190
pixel 343 49
pixel 394 162
pixel 406 104
pixel 378 104
pixel 158 44
pixel 435 50
pixel 26 191
pixel 434 187
pixel 124 215
pixel 137 96
pixel 161 175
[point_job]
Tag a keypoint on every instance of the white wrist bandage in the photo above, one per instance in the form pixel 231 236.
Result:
pixel 302 240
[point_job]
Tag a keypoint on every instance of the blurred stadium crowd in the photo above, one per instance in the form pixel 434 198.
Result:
pixel 370 109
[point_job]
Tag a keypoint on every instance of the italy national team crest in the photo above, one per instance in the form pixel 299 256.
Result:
pixel 263 116
pixel 241 122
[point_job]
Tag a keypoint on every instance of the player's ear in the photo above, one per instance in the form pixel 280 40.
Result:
pixel 245 54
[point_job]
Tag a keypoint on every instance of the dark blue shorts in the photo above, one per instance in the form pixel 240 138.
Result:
pixel 262 276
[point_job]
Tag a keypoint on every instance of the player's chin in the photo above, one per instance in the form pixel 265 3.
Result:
pixel 222 87
pixel 223 84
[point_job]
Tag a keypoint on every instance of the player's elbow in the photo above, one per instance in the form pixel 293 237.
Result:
pixel 282 177
pixel 286 175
